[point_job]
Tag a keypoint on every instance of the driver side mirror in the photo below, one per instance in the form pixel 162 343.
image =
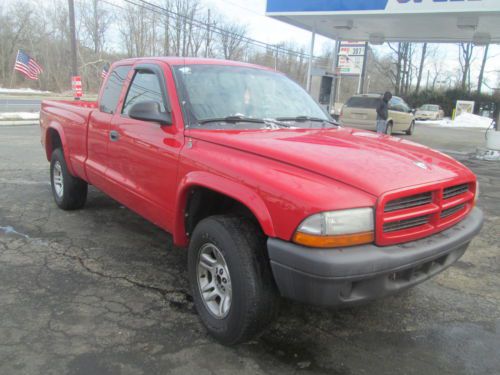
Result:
pixel 150 111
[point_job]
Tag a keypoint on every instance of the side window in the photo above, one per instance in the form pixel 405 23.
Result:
pixel 405 106
pixel 111 92
pixel 144 87
pixel 396 104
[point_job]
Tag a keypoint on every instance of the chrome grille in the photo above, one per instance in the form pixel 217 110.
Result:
pixel 405 224
pixel 453 191
pixel 408 202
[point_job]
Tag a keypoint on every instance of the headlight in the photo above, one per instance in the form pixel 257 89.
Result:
pixel 337 229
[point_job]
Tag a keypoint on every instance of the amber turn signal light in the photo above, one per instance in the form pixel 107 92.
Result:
pixel 324 242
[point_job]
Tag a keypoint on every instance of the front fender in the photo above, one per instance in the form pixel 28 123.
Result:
pixel 222 185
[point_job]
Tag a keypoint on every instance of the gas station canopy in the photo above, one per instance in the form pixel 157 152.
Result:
pixel 379 21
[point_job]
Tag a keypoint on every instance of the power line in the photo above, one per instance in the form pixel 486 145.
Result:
pixel 213 28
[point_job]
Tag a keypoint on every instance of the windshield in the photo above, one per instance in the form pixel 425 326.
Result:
pixel 430 107
pixel 214 93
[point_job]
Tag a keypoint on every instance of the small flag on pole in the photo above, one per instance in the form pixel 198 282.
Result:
pixel 105 71
pixel 27 65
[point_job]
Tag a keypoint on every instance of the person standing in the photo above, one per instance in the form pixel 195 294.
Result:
pixel 383 113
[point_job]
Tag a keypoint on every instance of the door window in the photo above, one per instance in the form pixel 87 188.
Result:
pixel 144 87
pixel 396 104
pixel 113 88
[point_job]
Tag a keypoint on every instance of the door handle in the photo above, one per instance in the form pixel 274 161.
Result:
pixel 114 135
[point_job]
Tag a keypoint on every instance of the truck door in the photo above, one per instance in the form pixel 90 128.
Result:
pixel 98 127
pixel 143 155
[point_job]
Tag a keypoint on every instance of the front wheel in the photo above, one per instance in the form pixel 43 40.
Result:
pixel 230 276
pixel 411 129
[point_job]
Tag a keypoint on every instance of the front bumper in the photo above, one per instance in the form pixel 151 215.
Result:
pixel 349 276
pixel 425 117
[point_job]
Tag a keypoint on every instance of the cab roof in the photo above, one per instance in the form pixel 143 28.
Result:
pixel 175 60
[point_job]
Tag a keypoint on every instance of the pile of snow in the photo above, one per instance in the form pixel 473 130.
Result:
pixel 468 120
pixel 22 91
pixel 19 115
pixel 465 120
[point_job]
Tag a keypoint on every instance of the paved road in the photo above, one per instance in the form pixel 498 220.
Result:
pixel 102 291
pixel 19 105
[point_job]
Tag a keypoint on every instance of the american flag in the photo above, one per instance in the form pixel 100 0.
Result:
pixel 105 71
pixel 27 65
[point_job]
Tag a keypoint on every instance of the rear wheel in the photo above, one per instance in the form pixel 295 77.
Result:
pixel 70 193
pixel 230 275
pixel 411 129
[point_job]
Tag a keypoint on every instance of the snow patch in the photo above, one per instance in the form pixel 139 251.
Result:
pixel 465 120
pixel 490 155
pixel 10 230
pixel 19 115
pixel 22 91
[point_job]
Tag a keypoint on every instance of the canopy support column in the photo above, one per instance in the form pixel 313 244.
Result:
pixel 309 66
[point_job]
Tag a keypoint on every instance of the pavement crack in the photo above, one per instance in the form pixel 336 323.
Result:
pixel 178 298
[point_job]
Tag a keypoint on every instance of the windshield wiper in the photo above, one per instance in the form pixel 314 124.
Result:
pixel 307 118
pixel 235 119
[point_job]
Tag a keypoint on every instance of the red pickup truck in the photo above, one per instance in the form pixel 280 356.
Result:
pixel 271 197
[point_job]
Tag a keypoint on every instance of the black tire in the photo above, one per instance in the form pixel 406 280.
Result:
pixel 73 193
pixel 388 129
pixel 254 301
pixel 411 129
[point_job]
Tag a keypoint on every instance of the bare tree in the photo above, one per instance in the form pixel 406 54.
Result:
pixel 232 39
pixel 404 69
pixel 135 30
pixel 423 55
pixel 96 20
pixel 483 66
pixel 465 58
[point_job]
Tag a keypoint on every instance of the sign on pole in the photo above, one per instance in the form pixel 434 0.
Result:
pixel 464 106
pixel 351 58
pixel 76 86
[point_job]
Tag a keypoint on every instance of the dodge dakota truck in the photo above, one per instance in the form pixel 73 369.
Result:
pixel 270 197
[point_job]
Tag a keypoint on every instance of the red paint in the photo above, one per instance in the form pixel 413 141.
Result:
pixel 282 176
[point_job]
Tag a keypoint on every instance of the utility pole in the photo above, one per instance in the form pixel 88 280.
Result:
pixel 208 34
pixel 74 68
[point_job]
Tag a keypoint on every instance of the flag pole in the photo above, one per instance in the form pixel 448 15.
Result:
pixel 13 71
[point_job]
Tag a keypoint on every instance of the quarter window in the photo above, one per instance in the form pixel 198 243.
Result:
pixel 113 88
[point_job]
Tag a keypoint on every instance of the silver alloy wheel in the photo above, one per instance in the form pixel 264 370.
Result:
pixel 214 281
pixel 57 179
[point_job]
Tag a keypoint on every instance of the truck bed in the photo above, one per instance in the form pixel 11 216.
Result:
pixel 73 116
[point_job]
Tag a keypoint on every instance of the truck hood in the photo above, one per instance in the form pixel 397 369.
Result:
pixel 371 162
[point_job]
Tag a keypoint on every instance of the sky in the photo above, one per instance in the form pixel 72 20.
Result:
pixel 252 13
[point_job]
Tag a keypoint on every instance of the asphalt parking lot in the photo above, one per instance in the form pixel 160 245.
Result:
pixel 102 291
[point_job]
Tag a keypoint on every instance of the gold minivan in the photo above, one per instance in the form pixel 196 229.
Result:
pixel 360 111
